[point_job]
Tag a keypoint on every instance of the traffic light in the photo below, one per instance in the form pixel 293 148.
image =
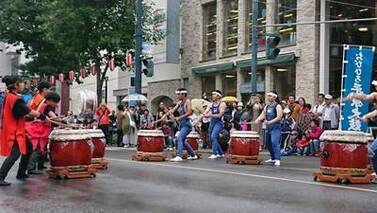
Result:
pixel 272 41
pixel 148 68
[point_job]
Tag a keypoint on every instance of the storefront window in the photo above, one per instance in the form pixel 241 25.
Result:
pixel 231 28
pixel 209 37
pixel 230 84
pixel 287 14
pixel 246 86
pixel 357 33
pixel 261 21
pixel 208 84
pixel 285 81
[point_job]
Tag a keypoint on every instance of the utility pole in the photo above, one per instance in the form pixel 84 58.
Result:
pixel 254 48
pixel 139 45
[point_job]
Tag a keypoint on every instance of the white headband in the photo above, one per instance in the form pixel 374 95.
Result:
pixel 181 92
pixel 272 94
pixel 217 93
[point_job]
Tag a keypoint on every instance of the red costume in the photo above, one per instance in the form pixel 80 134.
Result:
pixel 12 129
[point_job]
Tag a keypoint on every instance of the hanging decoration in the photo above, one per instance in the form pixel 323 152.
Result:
pixel 111 64
pixel 83 72
pixel 129 59
pixel 61 77
pixel 71 75
pixel 93 69
pixel 52 79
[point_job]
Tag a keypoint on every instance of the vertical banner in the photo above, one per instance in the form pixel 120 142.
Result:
pixel 357 77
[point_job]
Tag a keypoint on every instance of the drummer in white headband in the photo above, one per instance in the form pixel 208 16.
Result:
pixel 271 116
pixel 361 96
pixel 215 112
pixel 184 109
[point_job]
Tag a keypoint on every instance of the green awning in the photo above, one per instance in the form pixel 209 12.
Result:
pixel 245 88
pixel 284 58
pixel 212 68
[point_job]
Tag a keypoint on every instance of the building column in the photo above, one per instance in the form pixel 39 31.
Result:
pixel 240 81
pixel 242 17
pixel 269 79
pixel 307 66
pixel 219 82
pixel 220 29
pixel 271 14
pixel 324 50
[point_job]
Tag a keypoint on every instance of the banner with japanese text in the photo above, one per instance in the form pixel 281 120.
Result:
pixel 357 77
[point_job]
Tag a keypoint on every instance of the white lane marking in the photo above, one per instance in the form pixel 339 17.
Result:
pixel 246 175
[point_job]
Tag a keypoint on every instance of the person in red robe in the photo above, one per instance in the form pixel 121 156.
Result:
pixel 12 132
pixel 38 132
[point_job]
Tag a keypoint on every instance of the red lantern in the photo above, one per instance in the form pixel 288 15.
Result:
pixel 129 59
pixel 61 77
pixel 93 69
pixel 52 79
pixel 83 72
pixel 71 75
pixel 111 64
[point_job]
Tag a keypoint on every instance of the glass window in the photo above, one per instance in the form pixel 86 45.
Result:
pixel 287 13
pixel 261 21
pixel 260 82
pixel 209 50
pixel 230 84
pixel 231 27
pixel 358 33
pixel 208 84
pixel 285 81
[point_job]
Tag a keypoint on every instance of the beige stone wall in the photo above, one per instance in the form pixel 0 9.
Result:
pixel 163 88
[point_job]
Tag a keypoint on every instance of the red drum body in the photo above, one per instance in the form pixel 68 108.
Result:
pixel 344 149
pixel 99 142
pixel 193 139
pixel 70 148
pixel 245 143
pixel 150 141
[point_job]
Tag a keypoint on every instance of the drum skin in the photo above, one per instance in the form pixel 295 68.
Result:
pixel 70 153
pixel 150 143
pixel 344 155
pixel 99 147
pixel 244 146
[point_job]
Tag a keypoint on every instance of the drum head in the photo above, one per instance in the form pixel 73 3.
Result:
pixel 94 133
pixel 193 134
pixel 244 134
pixel 150 133
pixel 68 135
pixel 346 136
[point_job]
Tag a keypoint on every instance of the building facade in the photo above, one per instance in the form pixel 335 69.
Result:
pixel 216 45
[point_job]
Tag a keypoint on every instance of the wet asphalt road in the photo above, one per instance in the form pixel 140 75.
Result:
pixel 192 186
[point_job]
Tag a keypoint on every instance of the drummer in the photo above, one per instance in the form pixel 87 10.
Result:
pixel 38 132
pixel 13 140
pixel 215 111
pixel 184 108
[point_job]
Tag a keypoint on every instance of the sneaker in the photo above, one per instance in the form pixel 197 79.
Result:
pixel 212 157
pixel 277 163
pixel 22 177
pixel 220 156
pixel 193 158
pixel 176 159
pixel 4 183
pixel 270 161
pixel 374 174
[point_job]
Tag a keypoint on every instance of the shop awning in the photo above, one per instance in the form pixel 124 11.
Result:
pixel 214 68
pixel 246 87
pixel 283 58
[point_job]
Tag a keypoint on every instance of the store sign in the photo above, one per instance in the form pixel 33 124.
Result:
pixel 357 77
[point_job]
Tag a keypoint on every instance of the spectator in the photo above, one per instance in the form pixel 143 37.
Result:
pixel 160 113
pixel 294 107
pixel 303 106
pixel 129 128
pixel 237 113
pixel 146 120
pixel 302 146
pixel 256 107
pixel 331 114
pixel 119 124
pixel 205 96
pixel 204 134
pixel 318 108
pixel 103 120
pixel 287 126
pixel 313 136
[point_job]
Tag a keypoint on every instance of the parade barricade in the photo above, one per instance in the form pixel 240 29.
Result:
pixel 344 157
pixel 244 148
pixel 150 146
pixel 71 154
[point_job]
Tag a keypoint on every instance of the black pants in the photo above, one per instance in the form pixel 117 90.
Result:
pixel 120 137
pixel 13 157
pixel 105 130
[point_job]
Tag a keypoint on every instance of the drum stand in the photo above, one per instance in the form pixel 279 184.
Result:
pixel 343 175
pixel 149 156
pixel 72 172
pixel 99 163
pixel 241 159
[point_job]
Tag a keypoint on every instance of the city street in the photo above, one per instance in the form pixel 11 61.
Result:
pixel 193 186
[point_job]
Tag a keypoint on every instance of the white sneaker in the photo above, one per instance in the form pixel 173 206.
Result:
pixel 176 159
pixel 212 157
pixel 193 158
pixel 374 175
pixel 277 163
pixel 220 156
pixel 269 161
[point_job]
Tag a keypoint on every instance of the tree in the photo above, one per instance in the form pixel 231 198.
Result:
pixel 64 35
